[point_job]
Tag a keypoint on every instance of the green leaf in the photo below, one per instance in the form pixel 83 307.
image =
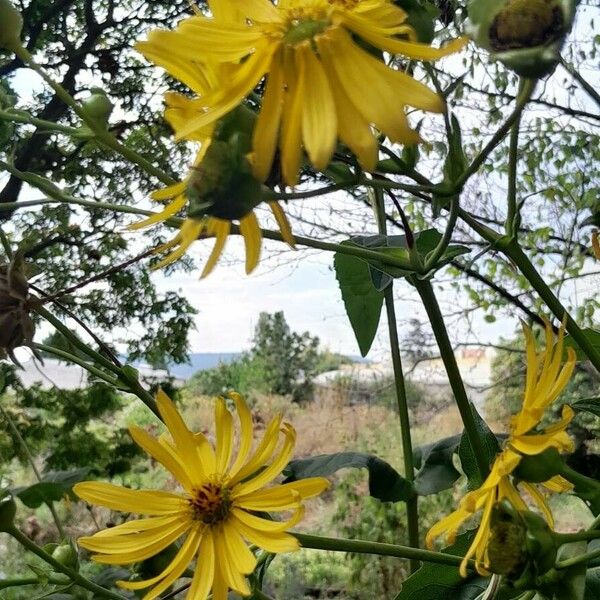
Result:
pixel 592 584
pixel 419 18
pixel 55 485
pixel 385 483
pixel 593 337
pixel 573 583
pixel 436 582
pixel 467 456
pixel 362 301
pixel 591 405
pixel 436 472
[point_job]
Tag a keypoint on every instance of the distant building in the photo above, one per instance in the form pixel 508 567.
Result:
pixel 66 376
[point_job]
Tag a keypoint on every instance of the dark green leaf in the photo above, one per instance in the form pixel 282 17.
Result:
pixel 419 18
pixel 55 485
pixel 593 337
pixel 591 405
pixel 385 483
pixel 437 582
pixel 572 585
pixel 467 456
pixel 362 301
pixel 592 584
pixel 437 471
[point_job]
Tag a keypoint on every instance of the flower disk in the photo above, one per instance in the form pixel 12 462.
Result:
pixel 215 510
pixel 321 83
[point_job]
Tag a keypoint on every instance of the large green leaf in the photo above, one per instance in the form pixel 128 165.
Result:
pixel 467 456
pixel 592 584
pixel 573 583
pixel 436 582
pixel 593 337
pixel 591 405
pixel 385 483
pixel 436 469
pixel 55 485
pixel 362 300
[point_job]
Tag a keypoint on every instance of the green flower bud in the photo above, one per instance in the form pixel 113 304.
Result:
pixel 11 25
pixel 98 106
pixel 8 511
pixel 526 35
pixel 540 467
pixel 66 555
pixel 506 546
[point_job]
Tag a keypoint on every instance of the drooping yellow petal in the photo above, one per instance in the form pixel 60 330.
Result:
pixel 220 229
pixel 171 210
pixel 233 577
pixel 266 525
pixel 241 558
pixel 283 223
pixel 270 542
pixel 252 234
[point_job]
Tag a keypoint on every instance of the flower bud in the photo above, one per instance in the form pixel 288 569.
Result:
pixel 526 35
pixel 506 546
pixel 11 25
pixel 223 185
pixel 98 107
pixel 66 555
pixel 8 510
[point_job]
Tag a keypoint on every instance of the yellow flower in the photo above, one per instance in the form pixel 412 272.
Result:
pixel 209 226
pixel 321 82
pixel 546 378
pixel 216 509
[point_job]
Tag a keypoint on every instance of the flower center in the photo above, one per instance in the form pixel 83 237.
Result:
pixel 211 503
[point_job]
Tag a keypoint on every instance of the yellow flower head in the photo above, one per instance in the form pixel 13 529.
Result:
pixel 546 378
pixel 216 509
pixel 321 83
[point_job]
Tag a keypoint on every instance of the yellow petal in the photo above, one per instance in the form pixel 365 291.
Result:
pixel 540 501
pixel 266 525
pixel 319 117
pixel 160 453
pixel 171 210
pixel 224 436
pixel 266 131
pixel 173 570
pixel 205 568
pixel 246 429
pixel 250 230
pixel 291 129
pixel 233 578
pixel 123 499
pixel 283 223
pixel 287 496
pixel 271 542
pixel 241 558
pixel 220 229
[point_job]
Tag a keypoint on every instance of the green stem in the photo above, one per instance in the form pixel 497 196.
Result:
pixel 443 244
pixel 23 117
pixel 516 254
pixel 412 509
pixel 60 568
pixel 77 343
pixel 522 99
pixel 34 468
pixel 22 581
pixel 432 307
pixel 318 542
pixel 101 135
pixel 578 536
pixel 78 361
pixel 5 244
pixel 512 213
pixel 577 560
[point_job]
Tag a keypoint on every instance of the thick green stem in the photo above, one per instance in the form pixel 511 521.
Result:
pixel 443 244
pixel 23 117
pixel 425 290
pixel 412 509
pixel 318 542
pixel 34 468
pixel 516 254
pixel 80 580
pixel 577 560
pixel 578 536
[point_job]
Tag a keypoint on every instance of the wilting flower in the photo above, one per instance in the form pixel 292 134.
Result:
pixel 321 82
pixel 220 187
pixel 217 510
pixel 546 378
